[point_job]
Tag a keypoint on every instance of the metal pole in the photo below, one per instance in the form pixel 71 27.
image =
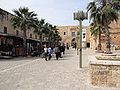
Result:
pixel 80 56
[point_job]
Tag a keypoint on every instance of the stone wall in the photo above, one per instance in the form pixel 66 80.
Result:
pixel 67 38
pixel 104 73
pixel 5 21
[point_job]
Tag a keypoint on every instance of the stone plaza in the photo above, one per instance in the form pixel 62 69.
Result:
pixel 37 74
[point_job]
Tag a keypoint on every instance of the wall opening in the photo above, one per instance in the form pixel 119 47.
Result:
pixel 88 45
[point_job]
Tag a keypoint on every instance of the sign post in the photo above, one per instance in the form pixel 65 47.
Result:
pixel 80 16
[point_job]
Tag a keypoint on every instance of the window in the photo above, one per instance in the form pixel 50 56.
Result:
pixel 88 45
pixel 39 37
pixel 30 35
pixel 64 33
pixel 2 15
pixel 35 36
pixel 84 35
pixel 17 32
pixel 73 34
pixel 5 30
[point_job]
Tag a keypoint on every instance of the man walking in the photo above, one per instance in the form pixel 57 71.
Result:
pixel 45 52
pixel 57 51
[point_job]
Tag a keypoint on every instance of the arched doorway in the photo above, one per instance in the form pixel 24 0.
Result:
pixel 73 42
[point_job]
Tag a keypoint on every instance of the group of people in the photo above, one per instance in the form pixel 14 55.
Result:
pixel 58 50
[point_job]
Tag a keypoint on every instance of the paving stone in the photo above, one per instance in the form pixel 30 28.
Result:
pixel 38 74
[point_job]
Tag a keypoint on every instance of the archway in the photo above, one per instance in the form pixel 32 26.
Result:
pixel 73 42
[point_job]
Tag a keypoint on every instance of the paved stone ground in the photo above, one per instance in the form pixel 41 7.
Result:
pixel 38 74
pixel 9 63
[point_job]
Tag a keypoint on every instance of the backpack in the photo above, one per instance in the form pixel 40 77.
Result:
pixel 49 50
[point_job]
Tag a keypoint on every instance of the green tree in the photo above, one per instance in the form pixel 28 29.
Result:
pixel 52 34
pixel 94 15
pixel 106 14
pixel 116 5
pixel 39 27
pixel 23 19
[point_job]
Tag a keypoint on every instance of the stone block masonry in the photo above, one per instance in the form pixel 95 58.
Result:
pixel 103 74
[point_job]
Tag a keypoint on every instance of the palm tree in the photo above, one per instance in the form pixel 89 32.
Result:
pixel 110 15
pixel 116 5
pixel 94 17
pixel 39 27
pixel 95 33
pixel 50 35
pixel 54 34
pixel 23 19
pixel 105 15
pixel 46 30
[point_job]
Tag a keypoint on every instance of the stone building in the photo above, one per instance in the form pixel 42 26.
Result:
pixel 13 38
pixel 69 34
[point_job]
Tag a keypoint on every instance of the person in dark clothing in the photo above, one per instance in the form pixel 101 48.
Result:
pixel 63 48
pixel 67 45
pixel 75 45
pixel 57 51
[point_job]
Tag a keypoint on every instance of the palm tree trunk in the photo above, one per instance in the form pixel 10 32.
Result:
pixel 49 40
pixel 99 40
pixel 41 39
pixel 108 44
pixel 24 42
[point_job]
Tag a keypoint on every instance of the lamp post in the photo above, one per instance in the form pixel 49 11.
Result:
pixel 80 16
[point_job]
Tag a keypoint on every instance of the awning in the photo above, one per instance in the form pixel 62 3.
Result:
pixel 11 35
pixel 33 39
pixel 8 35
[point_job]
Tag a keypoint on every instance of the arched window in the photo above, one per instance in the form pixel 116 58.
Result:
pixel 30 35
pixel 17 33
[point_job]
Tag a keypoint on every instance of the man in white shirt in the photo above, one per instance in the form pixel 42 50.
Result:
pixel 45 52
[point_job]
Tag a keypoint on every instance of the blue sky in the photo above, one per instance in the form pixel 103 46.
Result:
pixel 57 12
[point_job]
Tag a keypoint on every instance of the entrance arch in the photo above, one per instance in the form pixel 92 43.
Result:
pixel 73 42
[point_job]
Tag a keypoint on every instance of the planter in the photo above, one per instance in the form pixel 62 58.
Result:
pixel 113 57
pixel 105 73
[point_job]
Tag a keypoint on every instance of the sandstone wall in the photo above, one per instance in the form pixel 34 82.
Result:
pixel 104 73
pixel 69 29
pixel 5 21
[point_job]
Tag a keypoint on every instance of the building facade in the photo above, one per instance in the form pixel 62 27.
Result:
pixel 11 40
pixel 70 34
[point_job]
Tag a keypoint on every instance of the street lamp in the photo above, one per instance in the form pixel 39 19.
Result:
pixel 80 16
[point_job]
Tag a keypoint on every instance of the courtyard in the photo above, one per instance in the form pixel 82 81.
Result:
pixel 37 74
